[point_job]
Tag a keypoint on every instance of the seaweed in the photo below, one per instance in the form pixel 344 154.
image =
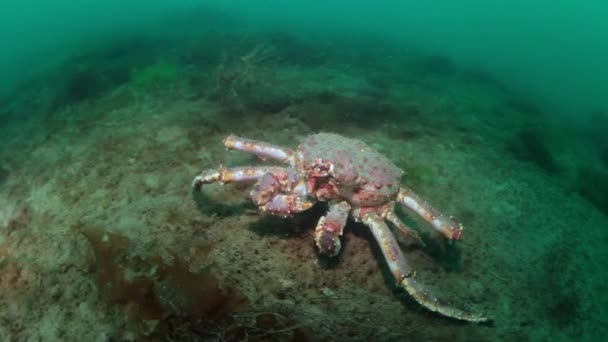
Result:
pixel 154 75
pixel 166 301
pixel 151 289
pixel 97 71
pixel 420 176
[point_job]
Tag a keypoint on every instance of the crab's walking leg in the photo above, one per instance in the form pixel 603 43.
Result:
pixel 448 226
pixel 330 228
pixel 391 217
pixel 229 175
pixel 261 149
pixel 404 274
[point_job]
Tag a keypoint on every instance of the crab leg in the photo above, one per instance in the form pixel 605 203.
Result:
pixel 403 272
pixel 448 226
pixel 229 175
pixel 391 217
pixel 330 228
pixel 261 149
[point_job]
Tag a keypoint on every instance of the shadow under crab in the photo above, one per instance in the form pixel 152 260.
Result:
pixel 357 182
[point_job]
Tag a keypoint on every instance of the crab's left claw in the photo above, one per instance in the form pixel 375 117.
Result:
pixel 405 275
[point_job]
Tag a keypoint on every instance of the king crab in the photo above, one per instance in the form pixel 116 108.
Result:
pixel 357 181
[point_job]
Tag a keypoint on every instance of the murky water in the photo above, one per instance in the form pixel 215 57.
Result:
pixel 495 114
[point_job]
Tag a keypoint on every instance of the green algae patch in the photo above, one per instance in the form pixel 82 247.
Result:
pixel 419 175
pixel 154 75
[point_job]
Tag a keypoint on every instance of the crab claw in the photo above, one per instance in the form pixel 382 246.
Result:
pixel 285 205
pixel 330 229
pixel 276 193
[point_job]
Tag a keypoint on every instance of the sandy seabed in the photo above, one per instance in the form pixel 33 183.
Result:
pixel 103 239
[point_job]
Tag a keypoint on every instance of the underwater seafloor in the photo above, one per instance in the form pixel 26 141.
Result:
pixel 103 239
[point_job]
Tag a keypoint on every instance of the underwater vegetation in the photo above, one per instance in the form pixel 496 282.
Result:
pixel 157 294
pixel 95 72
pixel 164 300
pixel 420 175
pixel 155 75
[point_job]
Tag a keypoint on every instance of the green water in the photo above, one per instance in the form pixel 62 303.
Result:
pixel 496 113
